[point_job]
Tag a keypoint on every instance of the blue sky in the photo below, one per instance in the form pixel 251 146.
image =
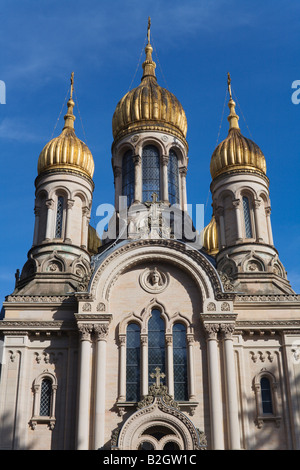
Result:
pixel 196 43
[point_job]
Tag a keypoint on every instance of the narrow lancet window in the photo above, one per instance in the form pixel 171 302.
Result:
pixel 156 345
pixel 247 217
pixel 266 395
pixel 128 177
pixel 173 179
pixel 133 362
pixel 180 362
pixel 150 172
pixel 59 217
pixel 46 394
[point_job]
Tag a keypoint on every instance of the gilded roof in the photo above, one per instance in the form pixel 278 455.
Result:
pixel 67 151
pixel 210 237
pixel 236 152
pixel 149 106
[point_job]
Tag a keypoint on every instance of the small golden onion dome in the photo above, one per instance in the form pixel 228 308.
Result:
pixel 236 152
pixel 94 241
pixel 149 106
pixel 67 151
pixel 210 238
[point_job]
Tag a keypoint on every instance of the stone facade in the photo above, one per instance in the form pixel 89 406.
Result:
pixel 66 355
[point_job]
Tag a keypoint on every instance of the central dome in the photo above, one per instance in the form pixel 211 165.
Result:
pixel 149 107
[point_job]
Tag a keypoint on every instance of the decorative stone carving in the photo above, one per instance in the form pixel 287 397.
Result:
pixel 101 307
pixel 254 265
pixel 154 280
pixel 211 307
pixel 225 307
pixel 86 307
pixel 227 283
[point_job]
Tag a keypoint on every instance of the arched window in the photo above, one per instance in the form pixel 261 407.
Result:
pixel 59 217
pixel 133 362
pixel 156 344
pixel 173 179
pixel 128 177
pixel 46 394
pixel 266 395
pixel 150 172
pixel 247 217
pixel 180 362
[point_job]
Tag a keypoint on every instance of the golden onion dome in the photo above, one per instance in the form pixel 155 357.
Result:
pixel 149 106
pixel 67 151
pixel 236 152
pixel 210 238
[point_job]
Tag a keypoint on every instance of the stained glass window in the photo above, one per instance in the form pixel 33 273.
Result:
pixel 247 217
pixel 133 362
pixel 46 393
pixel 173 179
pixel 266 395
pixel 156 345
pixel 150 172
pixel 180 362
pixel 59 217
pixel 128 177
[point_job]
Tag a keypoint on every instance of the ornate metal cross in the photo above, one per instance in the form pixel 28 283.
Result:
pixel 157 375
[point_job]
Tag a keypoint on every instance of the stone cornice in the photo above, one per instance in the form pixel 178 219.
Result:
pixel 267 298
pixel 29 326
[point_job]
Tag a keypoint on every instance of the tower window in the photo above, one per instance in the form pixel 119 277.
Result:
pixel 173 185
pixel 247 217
pixel 59 217
pixel 128 177
pixel 150 172
pixel 180 362
pixel 156 344
pixel 266 395
pixel 133 362
pixel 46 393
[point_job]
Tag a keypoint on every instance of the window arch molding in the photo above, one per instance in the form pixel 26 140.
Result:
pixel 142 321
pixel 37 392
pixel 151 141
pixel 261 416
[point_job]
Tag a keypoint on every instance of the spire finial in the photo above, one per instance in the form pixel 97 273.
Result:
pixel 233 117
pixel 149 65
pixel 148 32
pixel 229 84
pixel 72 85
pixel 69 117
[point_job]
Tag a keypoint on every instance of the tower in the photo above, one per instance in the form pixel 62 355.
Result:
pixel 59 260
pixel 241 214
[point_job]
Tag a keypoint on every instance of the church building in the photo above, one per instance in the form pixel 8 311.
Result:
pixel 150 335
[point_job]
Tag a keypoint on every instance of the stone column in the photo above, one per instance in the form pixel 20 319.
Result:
pixel 101 331
pixel 144 347
pixel 118 185
pixel 83 431
pixel 70 204
pixel 220 218
pixel 84 228
pixel 170 370
pixel 138 179
pixel 183 172
pixel 37 211
pixel 122 374
pixel 165 184
pixel 269 227
pixel 231 388
pixel 216 412
pixel 257 204
pixel 237 205
pixel 190 343
pixel 50 221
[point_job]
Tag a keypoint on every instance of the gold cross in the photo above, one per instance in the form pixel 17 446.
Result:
pixel 72 84
pixel 157 375
pixel 229 84
pixel 149 24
